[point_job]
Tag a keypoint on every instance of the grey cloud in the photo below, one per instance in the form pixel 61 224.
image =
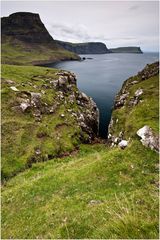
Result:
pixel 80 33
pixel 70 31
pixel 134 7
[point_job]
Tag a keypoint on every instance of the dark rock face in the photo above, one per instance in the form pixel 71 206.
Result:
pixel 126 50
pixel 85 48
pixel 26 27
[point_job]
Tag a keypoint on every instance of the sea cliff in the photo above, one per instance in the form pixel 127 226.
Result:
pixel 26 41
pixel 126 50
pixel 85 48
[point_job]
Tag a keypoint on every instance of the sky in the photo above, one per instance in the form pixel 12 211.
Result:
pixel 116 23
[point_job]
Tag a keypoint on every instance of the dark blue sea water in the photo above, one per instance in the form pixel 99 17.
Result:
pixel 102 77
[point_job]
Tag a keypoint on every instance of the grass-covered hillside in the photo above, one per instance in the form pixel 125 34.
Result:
pixel 19 53
pixel 99 192
pixel 44 115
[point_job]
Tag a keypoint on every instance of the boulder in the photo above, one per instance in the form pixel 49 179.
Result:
pixel 8 81
pixel 138 93
pixel 24 106
pixel 148 138
pixel 14 89
pixel 84 97
pixel 120 100
pixel 62 81
pixel 123 144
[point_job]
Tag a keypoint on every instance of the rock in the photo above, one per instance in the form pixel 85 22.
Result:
pixel 71 98
pixel 149 71
pixel 35 99
pixel 62 115
pixel 135 100
pixel 123 144
pixel 52 109
pixel 121 134
pixel 84 97
pixel 69 110
pixel 24 106
pixel 120 100
pixel 62 81
pixel 8 81
pixel 54 83
pixel 148 138
pixel 116 140
pixel 138 93
pixel 109 136
pixel 72 79
pixel 14 89
pixel 95 202
pixel 37 151
pixel 134 82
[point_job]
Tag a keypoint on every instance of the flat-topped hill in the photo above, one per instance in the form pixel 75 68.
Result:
pixel 126 50
pixel 25 40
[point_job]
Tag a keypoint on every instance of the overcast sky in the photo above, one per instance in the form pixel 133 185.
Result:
pixel 116 23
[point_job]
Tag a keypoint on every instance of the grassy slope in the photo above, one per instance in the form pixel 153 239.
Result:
pixel 16 52
pixel 52 199
pixel 20 131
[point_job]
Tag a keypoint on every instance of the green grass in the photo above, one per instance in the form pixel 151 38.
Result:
pixel 20 54
pixel 52 200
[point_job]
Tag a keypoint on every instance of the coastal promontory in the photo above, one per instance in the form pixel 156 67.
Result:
pixel 25 40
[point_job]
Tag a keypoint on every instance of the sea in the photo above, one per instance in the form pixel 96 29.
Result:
pixel 101 76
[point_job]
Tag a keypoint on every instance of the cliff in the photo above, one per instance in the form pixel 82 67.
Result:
pixel 126 50
pixel 25 40
pixel 136 110
pixel 84 191
pixel 85 48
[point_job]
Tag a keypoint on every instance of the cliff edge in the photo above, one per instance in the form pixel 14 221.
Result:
pixel 85 48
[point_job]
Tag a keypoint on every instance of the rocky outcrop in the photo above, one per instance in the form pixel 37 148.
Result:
pixel 85 48
pixel 126 50
pixel 87 115
pixel 132 94
pixel 149 71
pixel 149 138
